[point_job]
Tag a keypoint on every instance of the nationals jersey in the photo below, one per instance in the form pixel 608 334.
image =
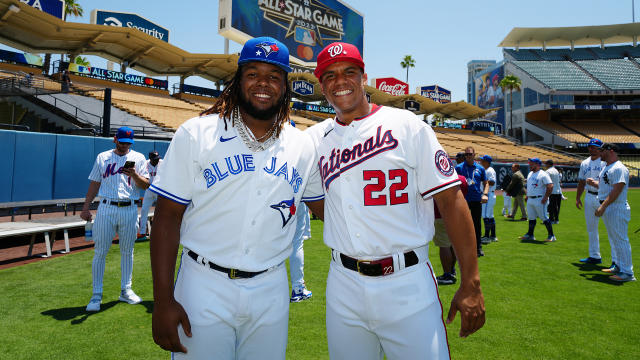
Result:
pixel 379 174
pixel 591 169
pixel 537 183
pixel 610 175
pixel 240 204
pixel 107 170
pixel 152 170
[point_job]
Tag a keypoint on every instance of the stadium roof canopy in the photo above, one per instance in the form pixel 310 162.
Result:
pixel 26 28
pixel 572 36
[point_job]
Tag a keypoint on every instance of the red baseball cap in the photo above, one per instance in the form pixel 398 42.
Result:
pixel 335 52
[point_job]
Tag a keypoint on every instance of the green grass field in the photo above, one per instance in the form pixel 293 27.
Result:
pixel 541 303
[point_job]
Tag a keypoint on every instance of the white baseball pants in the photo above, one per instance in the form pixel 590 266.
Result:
pixel 296 260
pixel 591 204
pixel 535 208
pixel 398 315
pixel 487 208
pixel 506 204
pixel 616 218
pixel 149 199
pixel 111 219
pixel 233 319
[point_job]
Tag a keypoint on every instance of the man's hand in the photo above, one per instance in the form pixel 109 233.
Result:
pixel 579 203
pixel 470 303
pixel 600 210
pixel 544 200
pixel 484 199
pixel 164 324
pixel 86 215
pixel 592 182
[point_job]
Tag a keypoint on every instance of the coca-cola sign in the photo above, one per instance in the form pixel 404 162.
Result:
pixel 391 86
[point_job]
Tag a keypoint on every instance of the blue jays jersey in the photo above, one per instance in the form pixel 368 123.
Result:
pixel 537 183
pixel 591 169
pixel 240 204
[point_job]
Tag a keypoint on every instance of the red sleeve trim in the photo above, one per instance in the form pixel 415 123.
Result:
pixel 440 187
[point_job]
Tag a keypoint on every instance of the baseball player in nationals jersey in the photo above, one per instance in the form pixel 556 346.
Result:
pixel 149 196
pixel 539 187
pixel 590 168
pixel 117 177
pixel 229 187
pixel 612 184
pixel 381 168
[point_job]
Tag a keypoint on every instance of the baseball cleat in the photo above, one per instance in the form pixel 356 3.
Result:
pixel 301 294
pixel 613 269
pixel 622 277
pixel 527 237
pixel 480 253
pixel 551 238
pixel 129 297
pixel 591 260
pixel 485 240
pixel 493 239
pixel 94 303
pixel 446 279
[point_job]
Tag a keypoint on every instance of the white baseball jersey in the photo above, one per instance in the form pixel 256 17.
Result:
pixel 537 183
pixel 590 169
pixel 555 180
pixel 610 175
pixel 491 176
pixel 152 170
pixel 107 170
pixel 241 204
pixel 379 174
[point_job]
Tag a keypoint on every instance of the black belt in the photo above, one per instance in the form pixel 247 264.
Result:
pixel 535 197
pixel 378 267
pixel 231 273
pixel 120 203
pixel 593 193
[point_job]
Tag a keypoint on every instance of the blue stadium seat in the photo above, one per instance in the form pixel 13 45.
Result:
pixel 559 75
pixel 618 74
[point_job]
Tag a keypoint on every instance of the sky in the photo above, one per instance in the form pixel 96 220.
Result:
pixel 442 36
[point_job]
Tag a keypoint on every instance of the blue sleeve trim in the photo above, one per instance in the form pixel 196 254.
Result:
pixel 169 195
pixel 314 198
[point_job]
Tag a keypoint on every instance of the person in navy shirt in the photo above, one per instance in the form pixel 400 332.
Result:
pixel 478 193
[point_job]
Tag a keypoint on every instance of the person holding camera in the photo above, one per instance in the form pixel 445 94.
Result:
pixel 117 177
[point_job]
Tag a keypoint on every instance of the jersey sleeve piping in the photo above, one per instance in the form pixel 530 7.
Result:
pixel 169 195
pixel 312 198
pixel 440 187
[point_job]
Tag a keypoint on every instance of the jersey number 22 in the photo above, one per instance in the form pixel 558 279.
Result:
pixel 395 194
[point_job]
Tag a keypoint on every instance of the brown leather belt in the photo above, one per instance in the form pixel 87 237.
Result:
pixel 379 267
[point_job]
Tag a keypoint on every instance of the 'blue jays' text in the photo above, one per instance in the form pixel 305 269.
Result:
pixel 237 164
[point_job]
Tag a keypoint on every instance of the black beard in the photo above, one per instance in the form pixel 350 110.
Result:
pixel 265 115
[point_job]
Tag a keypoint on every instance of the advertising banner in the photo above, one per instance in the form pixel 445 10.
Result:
pixel 134 21
pixel 51 7
pixel 313 107
pixel 116 76
pixel 489 94
pixel 483 125
pixel 18 58
pixel 302 87
pixel 197 90
pixel 304 26
pixel 435 93
pixel 391 85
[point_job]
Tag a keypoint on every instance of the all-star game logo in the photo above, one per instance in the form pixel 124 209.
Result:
pixel 309 21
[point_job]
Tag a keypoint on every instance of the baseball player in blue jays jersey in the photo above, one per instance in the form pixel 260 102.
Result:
pixel 612 184
pixel 487 208
pixel 230 186
pixel 539 187
pixel 590 168
pixel 117 177
pixel 381 168
pixel 149 196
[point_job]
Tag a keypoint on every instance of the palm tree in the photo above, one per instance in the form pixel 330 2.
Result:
pixel 406 63
pixel 71 7
pixel 510 82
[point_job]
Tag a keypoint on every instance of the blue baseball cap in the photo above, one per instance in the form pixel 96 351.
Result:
pixel 125 135
pixel 595 142
pixel 487 158
pixel 535 160
pixel 265 49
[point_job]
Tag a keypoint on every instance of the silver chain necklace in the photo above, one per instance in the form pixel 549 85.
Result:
pixel 254 144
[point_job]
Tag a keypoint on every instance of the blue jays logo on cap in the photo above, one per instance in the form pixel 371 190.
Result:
pixel 595 142
pixel 487 158
pixel 286 208
pixel 536 161
pixel 265 49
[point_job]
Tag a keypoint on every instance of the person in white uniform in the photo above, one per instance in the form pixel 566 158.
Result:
pixel 381 169
pixel 555 199
pixel 590 168
pixel 613 184
pixel 117 177
pixel 229 190
pixel 150 197
pixel 539 188
pixel 487 208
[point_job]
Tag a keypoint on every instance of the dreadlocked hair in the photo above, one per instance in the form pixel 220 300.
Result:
pixel 230 98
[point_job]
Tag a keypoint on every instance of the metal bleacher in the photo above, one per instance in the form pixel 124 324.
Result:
pixel 559 75
pixel 618 74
